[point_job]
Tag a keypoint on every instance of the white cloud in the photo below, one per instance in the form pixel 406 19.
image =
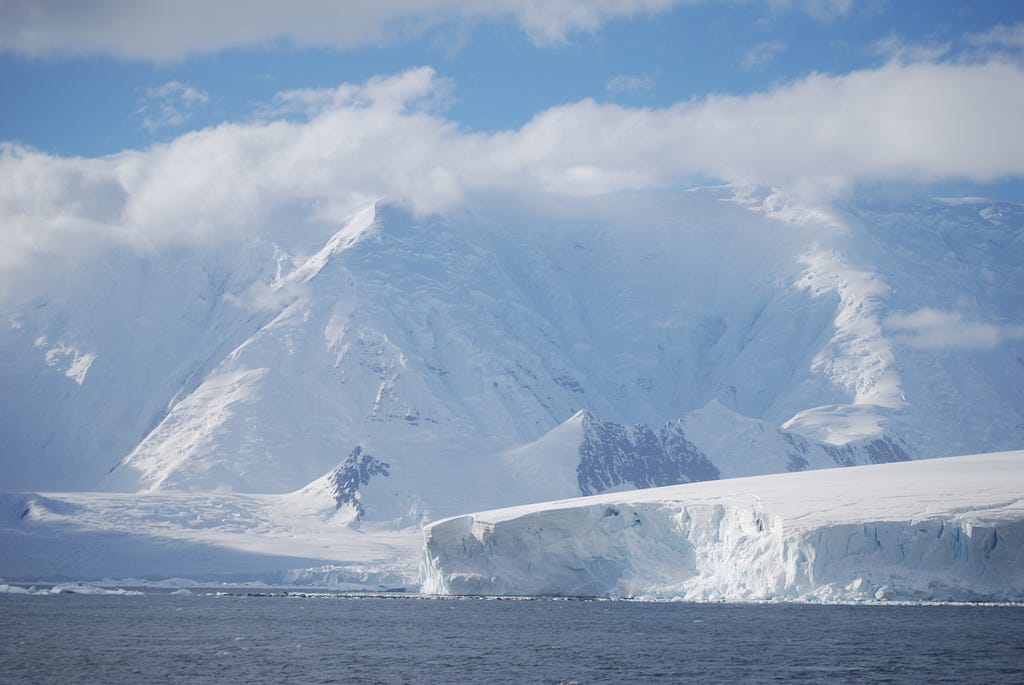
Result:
pixel 761 54
pixel 419 89
pixel 552 20
pixel 934 329
pixel 919 121
pixel 162 31
pixel 383 139
pixel 169 105
pixel 165 31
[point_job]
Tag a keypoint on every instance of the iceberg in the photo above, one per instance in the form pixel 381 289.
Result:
pixel 949 529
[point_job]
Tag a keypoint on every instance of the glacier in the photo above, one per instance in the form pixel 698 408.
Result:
pixel 947 529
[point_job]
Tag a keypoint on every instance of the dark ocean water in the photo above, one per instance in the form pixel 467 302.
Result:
pixel 159 638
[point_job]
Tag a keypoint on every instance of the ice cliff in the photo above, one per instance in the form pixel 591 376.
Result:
pixel 944 529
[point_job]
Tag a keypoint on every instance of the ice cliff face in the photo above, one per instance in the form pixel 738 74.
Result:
pixel 944 529
pixel 701 332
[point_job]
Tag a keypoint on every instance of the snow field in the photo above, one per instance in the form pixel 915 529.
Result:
pixel 221 537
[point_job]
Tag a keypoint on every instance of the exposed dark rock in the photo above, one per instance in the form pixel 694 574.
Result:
pixel 357 470
pixel 878 451
pixel 612 455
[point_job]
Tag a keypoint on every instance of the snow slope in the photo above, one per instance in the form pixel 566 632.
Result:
pixel 941 529
pixel 223 537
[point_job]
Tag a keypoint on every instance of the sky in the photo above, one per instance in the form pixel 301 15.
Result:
pixel 100 77
pixel 151 122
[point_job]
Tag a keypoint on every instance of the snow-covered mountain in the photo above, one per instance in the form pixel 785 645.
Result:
pixel 593 455
pixel 941 529
pixel 407 368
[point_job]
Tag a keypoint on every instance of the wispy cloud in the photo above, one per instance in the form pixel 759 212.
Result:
pixel 170 105
pixel 824 10
pixel 892 47
pixel 935 329
pixel 762 54
pixel 418 89
pixel 1011 36
pixel 625 83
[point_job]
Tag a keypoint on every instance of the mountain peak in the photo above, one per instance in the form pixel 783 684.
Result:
pixel 337 493
pixel 360 227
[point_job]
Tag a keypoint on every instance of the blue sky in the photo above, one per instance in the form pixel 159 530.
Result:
pixel 69 99
pixel 154 124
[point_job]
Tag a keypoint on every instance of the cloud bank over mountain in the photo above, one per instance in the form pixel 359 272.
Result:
pixel 316 155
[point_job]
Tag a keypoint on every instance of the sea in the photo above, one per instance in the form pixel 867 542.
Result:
pixel 241 637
